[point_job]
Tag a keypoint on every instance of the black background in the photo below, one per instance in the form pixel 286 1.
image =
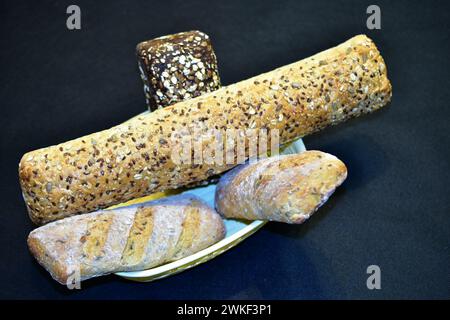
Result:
pixel 393 210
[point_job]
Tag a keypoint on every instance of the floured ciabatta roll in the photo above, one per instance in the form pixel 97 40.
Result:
pixel 135 159
pixel 287 188
pixel 177 67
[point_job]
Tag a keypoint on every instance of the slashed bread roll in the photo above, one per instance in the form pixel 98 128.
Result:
pixel 287 188
pixel 131 238
pixel 135 159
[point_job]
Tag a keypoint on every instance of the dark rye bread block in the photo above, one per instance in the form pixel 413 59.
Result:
pixel 135 158
pixel 177 67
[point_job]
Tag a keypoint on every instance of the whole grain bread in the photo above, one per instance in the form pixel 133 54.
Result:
pixel 130 238
pixel 177 67
pixel 135 159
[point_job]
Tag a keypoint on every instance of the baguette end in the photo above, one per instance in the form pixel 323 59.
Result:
pixel 42 256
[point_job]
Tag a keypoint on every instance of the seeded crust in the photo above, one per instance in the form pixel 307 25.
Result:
pixel 177 67
pixel 135 159
pixel 287 188
pixel 126 239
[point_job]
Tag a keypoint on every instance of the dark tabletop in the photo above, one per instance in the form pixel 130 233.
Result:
pixel 393 210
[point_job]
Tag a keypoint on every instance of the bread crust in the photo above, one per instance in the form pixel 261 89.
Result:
pixel 110 241
pixel 135 159
pixel 54 267
pixel 287 188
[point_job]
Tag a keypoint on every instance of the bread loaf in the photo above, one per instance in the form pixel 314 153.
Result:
pixel 130 238
pixel 177 67
pixel 135 159
pixel 287 188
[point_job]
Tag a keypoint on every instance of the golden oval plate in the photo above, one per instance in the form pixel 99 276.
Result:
pixel 236 231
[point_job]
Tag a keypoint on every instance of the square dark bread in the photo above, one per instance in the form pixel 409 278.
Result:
pixel 177 67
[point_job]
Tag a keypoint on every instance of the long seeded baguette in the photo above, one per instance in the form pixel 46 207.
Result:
pixel 134 159
pixel 287 188
pixel 130 238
